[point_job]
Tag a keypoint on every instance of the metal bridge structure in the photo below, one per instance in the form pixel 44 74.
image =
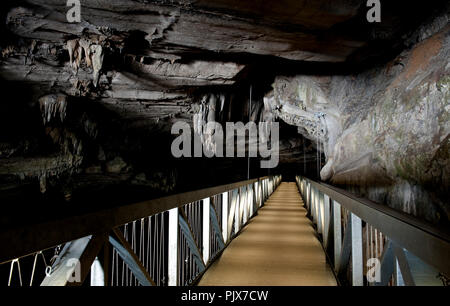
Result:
pixel 256 232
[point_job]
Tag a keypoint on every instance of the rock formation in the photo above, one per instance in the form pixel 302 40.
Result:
pixel 88 106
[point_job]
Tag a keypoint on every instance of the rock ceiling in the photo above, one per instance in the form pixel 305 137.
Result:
pixel 76 90
pixel 154 51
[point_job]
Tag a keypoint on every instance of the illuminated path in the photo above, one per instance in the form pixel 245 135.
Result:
pixel 278 247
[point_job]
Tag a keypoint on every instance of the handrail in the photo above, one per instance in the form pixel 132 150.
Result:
pixel 338 193
pixel 26 240
pixel 405 232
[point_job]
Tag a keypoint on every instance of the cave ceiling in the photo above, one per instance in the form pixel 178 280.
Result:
pixel 158 52
pixel 74 91
pixel 154 56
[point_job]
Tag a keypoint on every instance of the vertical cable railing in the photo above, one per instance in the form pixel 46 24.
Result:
pixel 29 270
pixel 163 242
pixel 147 238
pixel 371 244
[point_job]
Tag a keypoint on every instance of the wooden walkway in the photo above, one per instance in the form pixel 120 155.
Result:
pixel 278 247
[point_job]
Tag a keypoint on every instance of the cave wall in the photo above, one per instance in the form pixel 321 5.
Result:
pixel 88 107
pixel 385 131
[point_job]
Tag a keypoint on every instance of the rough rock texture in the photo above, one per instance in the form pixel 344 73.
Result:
pixel 88 106
pixel 204 25
pixel 384 131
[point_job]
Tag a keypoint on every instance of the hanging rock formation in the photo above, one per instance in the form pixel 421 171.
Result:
pixel 89 106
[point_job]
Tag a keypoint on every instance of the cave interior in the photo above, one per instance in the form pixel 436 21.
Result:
pixel 87 107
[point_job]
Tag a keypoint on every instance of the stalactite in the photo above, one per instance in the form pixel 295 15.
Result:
pixel 43 183
pixel 208 114
pixel 93 55
pixel 75 53
pixel 53 106
pixel 86 45
pixel 97 62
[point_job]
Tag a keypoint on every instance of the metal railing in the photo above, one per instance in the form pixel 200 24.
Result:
pixel 372 244
pixel 168 241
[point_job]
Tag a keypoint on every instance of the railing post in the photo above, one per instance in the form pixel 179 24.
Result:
pixel 319 212
pixel 263 186
pixel 265 189
pixel 357 251
pixel 309 200
pixel 172 260
pixel 249 202
pixel 337 230
pixel 206 229
pixel 97 274
pixel 260 199
pixel 303 188
pixel 225 216
pixel 244 204
pixel 256 195
pixel 322 213
pixel 316 215
pixel 313 203
pixel 233 194
pixel 237 211
pixel 253 200
pixel 326 217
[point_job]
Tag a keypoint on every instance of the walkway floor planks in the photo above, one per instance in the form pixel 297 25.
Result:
pixel 278 247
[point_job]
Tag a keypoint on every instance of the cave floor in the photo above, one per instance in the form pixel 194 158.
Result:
pixel 278 247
